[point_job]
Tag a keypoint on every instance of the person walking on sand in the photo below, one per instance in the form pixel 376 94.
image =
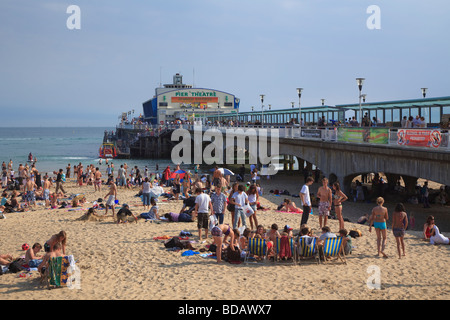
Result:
pixel 59 182
pixel 306 200
pixel 339 197
pixel 47 185
pixel 30 195
pixel 378 220
pixel 325 197
pixel 112 197
pixel 399 225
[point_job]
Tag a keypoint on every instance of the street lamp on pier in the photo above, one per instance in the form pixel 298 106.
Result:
pixel 360 82
pixel 299 92
pixel 262 108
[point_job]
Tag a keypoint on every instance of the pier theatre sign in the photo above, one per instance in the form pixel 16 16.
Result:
pixel 195 97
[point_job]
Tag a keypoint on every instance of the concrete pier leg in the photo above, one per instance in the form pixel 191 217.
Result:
pixel 410 184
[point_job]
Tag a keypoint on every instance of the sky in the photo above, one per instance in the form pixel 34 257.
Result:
pixel 52 75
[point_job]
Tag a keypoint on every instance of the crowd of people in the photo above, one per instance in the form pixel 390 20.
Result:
pixel 206 199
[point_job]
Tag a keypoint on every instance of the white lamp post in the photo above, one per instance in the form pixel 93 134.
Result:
pixel 359 82
pixel 424 92
pixel 262 108
pixel 299 92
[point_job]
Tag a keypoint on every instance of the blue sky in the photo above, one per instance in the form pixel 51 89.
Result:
pixel 53 76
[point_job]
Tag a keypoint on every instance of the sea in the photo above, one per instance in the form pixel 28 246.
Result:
pixel 55 148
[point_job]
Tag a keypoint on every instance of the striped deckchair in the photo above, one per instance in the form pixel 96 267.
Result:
pixel 307 248
pixel 256 247
pixel 333 248
pixel 291 254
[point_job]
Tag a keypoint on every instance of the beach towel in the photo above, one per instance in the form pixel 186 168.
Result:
pixel 285 248
pixel 189 253
pixel 58 272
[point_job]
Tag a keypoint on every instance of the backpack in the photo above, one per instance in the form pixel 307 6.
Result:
pixel 16 266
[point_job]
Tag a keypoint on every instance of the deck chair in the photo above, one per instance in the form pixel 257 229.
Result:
pixel 278 250
pixel 256 247
pixel 58 273
pixel 333 247
pixel 307 248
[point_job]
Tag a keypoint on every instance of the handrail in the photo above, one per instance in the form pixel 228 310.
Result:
pixel 425 138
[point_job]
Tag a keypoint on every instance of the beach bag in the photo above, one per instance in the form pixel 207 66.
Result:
pixel 175 242
pixel 233 256
pixel 355 233
pixel 212 221
pixel 16 266
pixel 248 211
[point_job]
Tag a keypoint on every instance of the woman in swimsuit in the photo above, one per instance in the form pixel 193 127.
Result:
pixel 427 227
pixel 338 198
pixel 60 237
pixel 217 232
pixel 399 225
pixel 378 219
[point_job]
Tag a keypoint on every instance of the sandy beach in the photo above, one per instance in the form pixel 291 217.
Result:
pixel 125 262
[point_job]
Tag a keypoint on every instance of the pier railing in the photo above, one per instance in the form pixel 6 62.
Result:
pixel 424 138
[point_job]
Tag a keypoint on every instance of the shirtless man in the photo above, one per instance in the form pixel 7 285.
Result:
pixel 56 252
pixel 216 176
pixel 112 196
pixel 325 197
pixel 47 185
pixel 21 176
pixel 31 256
pixel 30 196
pixel 97 179
pixel 378 219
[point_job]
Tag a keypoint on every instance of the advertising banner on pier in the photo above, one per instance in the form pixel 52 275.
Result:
pixel 419 138
pixel 364 135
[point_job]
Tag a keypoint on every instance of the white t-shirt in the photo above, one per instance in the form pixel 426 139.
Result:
pixel 305 191
pixel 251 198
pixel 240 198
pixel 146 187
pixel 203 201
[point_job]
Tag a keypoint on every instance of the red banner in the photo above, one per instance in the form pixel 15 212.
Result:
pixel 419 138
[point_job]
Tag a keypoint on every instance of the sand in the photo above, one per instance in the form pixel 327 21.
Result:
pixel 124 262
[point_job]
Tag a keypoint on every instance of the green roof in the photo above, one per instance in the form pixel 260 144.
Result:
pixel 425 102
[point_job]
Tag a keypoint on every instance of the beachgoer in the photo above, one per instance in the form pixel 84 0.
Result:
pixel 30 196
pixel 239 199
pixel 31 256
pixel 219 203
pixel 59 181
pixel 201 211
pixel 176 186
pixel 217 232
pixel 306 200
pixel 346 241
pixel 325 195
pixel 61 238
pixel 253 198
pixel 146 189
pixel 427 227
pixel 112 197
pixel 97 179
pixel 125 215
pixel 437 237
pixel 399 225
pixel 339 197
pixel 68 171
pixel 378 220
pixel 56 252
